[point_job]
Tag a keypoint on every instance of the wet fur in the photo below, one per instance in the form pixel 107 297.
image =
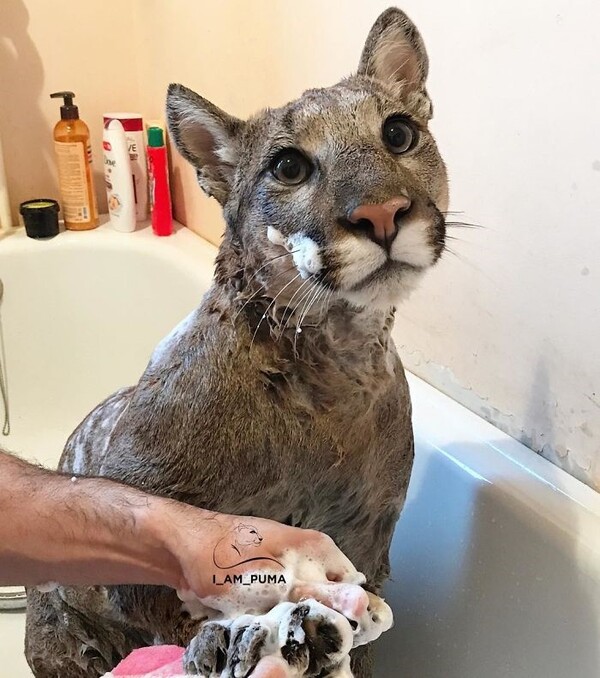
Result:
pixel 237 411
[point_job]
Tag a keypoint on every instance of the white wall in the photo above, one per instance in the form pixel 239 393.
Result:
pixel 510 325
pixel 47 46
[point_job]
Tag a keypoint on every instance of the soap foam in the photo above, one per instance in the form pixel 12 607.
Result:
pixel 282 630
pixel 167 343
pixel 47 587
pixel 305 252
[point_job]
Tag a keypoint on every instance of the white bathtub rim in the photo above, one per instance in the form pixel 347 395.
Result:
pixel 567 509
pixel 183 248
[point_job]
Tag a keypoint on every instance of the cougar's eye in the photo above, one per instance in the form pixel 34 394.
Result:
pixel 399 134
pixel 291 167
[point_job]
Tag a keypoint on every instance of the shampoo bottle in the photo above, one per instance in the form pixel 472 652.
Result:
pixel 133 125
pixel 74 159
pixel 158 170
pixel 117 175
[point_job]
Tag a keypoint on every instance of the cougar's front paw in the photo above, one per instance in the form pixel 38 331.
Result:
pixel 312 639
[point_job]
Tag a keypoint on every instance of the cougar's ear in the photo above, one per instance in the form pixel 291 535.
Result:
pixel 207 137
pixel 394 51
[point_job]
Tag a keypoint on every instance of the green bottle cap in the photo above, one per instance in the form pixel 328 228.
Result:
pixel 155 137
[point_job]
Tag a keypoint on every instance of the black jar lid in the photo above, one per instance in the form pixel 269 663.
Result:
pixel 40 217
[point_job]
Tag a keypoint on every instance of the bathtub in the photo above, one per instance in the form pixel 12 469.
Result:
pixel 496 559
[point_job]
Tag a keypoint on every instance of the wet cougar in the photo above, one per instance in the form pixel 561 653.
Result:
pixel 282 395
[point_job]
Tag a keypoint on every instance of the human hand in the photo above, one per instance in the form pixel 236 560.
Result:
pixel 216 552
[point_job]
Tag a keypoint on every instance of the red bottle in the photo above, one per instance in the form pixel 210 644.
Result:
pixel 158 173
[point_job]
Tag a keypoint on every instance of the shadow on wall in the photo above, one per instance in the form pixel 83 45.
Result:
pixel 482 585
pixel 23 127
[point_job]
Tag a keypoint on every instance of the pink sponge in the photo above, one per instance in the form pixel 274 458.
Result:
pixel 166 661
pixel 157 660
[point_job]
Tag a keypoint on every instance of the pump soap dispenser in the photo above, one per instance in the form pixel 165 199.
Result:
pixel 74 160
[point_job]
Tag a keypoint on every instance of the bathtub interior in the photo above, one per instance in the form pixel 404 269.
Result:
pixel 495 561
pixel 80 316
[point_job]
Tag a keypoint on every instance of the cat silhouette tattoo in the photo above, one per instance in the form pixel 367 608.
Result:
pixel 231 549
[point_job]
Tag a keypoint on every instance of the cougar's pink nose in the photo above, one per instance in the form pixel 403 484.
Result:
pixel 380 221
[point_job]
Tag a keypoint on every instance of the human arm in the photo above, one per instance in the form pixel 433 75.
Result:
pixel 92 531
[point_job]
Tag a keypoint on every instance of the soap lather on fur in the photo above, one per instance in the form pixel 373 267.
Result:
pixel 282 396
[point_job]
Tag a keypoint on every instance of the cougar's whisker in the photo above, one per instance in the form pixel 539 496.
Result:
pixel 264 315
pixel 307 306
pixel 262 289
pixel 279 256
pixel 303 291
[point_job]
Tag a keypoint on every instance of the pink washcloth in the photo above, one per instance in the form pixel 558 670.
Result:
pixel 157 660
pixel 166 661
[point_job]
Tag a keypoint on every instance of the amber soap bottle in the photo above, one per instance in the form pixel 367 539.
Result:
pixel 74 160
